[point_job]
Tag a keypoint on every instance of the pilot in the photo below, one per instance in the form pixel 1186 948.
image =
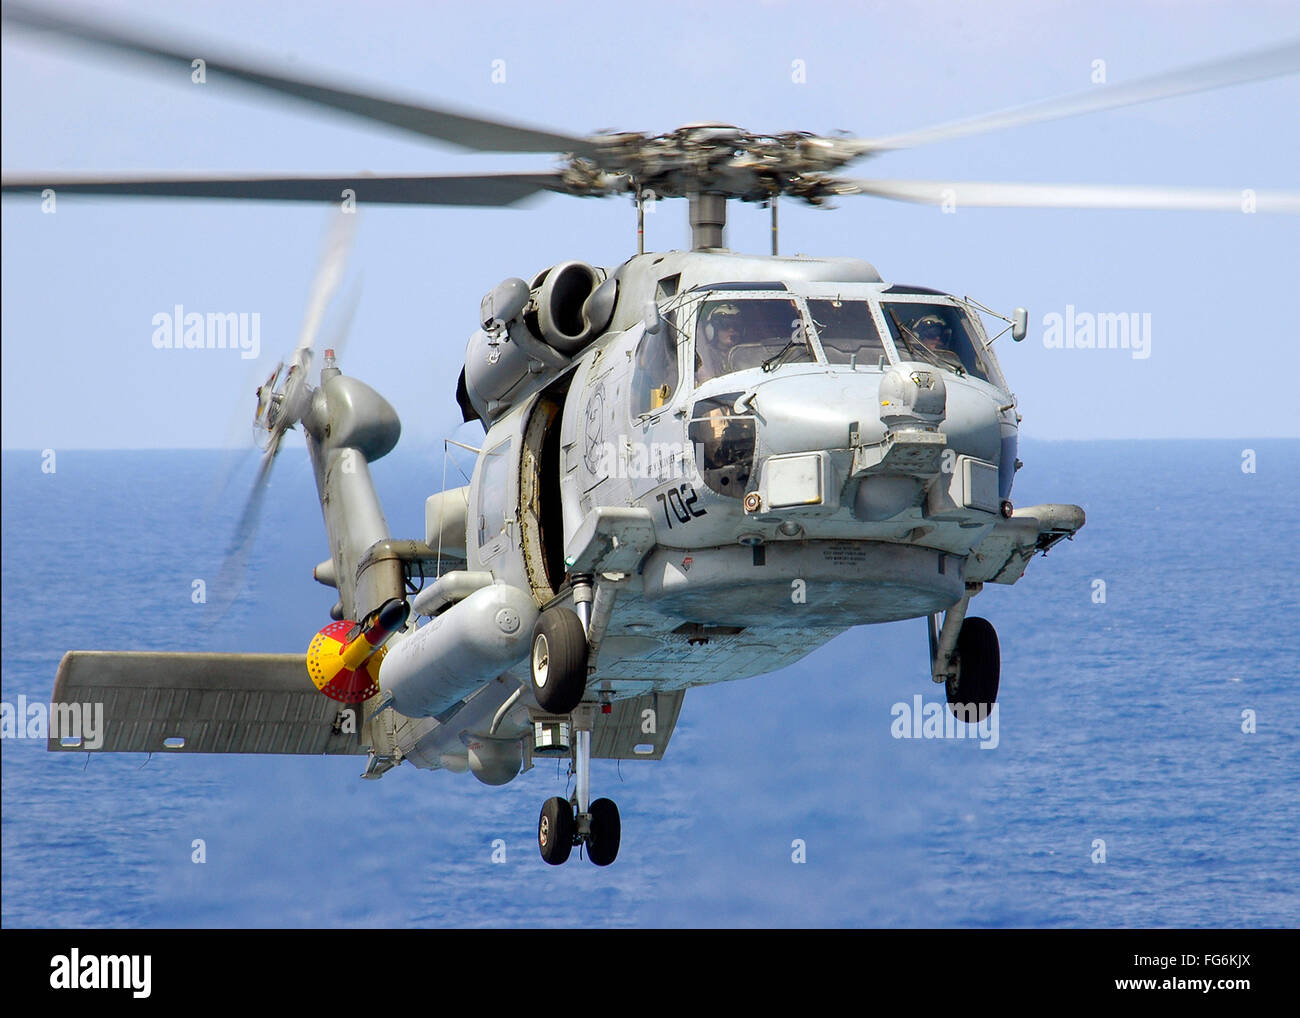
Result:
pixel 933 333
pixel 722 332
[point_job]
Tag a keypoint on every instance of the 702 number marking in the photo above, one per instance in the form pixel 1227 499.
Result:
pixel 682 501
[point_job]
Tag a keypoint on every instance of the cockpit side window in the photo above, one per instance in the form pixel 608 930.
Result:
pixel 848 332
pixel 735 334
pixel 724 444
pixel 654 381
pixel 938 334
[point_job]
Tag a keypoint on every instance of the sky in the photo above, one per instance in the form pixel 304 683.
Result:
pixel 81 288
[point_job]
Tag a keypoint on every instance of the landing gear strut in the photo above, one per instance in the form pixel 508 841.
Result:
pixel 566 823
pixel 565 645
pixel 965 657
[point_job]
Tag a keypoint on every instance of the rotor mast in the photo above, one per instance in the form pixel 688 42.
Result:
pixel 708 212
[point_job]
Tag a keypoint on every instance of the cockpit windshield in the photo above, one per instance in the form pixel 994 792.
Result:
pixel 735 334
pixel 847 332
pixel 938 334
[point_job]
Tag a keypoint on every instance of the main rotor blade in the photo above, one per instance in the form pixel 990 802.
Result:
pixel 1254 66
pixel 469 132
pixel 483 189
pixel 1074 196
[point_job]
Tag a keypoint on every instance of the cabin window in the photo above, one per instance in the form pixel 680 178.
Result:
pixel 493 494
pixel 654 381
pixel 736 334
pixel 848 332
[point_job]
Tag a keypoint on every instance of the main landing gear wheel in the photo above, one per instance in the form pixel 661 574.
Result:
pixel 606 829
pixel 973 691
pixel 555 830
pixel 559 661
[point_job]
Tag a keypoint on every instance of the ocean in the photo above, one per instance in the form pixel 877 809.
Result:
pixel 1143 774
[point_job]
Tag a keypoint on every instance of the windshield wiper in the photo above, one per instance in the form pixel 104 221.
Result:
pixel 778 358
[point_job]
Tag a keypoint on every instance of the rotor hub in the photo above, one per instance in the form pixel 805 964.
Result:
pixel 714 159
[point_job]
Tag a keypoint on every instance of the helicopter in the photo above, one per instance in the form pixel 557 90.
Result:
pixel 697 466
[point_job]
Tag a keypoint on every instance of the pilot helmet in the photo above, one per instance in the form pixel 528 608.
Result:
pixel 931 326
pixel 716 318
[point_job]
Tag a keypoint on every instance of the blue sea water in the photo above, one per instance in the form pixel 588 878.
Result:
pixel 1120 722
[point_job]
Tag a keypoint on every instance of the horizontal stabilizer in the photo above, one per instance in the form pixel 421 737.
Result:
pixel 202 703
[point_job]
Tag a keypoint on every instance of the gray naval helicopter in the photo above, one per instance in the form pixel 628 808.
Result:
pixel 697 466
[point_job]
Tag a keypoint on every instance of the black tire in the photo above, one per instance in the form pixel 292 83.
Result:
pixel 555 829
pixel 979 669
pixel 606 831
pixel 558 661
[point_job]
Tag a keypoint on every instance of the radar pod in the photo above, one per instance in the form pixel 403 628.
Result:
pixel 343 659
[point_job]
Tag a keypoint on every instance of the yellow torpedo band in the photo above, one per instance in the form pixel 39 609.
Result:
pixel 356 652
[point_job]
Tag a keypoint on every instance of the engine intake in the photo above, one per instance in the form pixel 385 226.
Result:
pixel 531 330
pixel 567 314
